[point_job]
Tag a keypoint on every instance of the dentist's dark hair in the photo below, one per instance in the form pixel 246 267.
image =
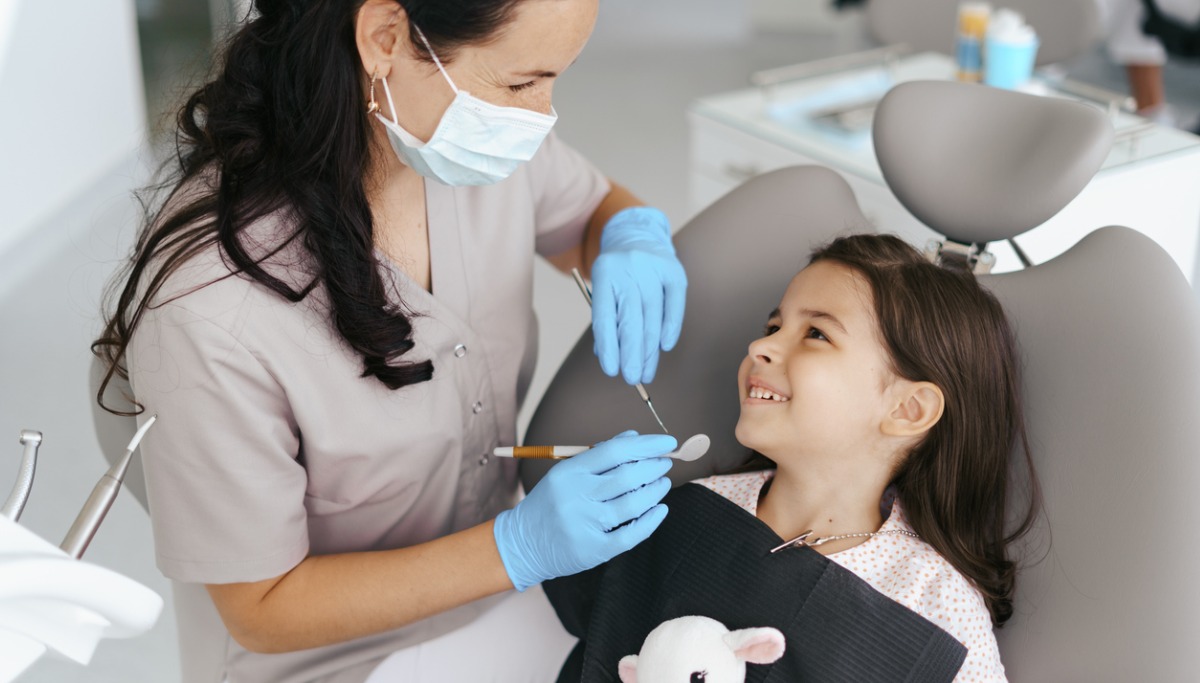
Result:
pixel 282 129
pixel 940 325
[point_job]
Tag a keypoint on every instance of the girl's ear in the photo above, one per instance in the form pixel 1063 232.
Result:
pixel 381 32
pixel 918 407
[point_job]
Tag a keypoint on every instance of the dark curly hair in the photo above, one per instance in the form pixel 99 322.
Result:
pixel 283 127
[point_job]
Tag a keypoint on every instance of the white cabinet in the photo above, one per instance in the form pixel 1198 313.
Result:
pixel 1150 181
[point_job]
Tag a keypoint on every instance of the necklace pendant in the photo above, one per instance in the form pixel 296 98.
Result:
pixel 799 542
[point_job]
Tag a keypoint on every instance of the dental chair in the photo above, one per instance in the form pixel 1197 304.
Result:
pixel 1110 337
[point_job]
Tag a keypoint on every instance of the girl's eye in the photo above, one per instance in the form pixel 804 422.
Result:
pixel 519 88
pixel 814 333
pixel 770 330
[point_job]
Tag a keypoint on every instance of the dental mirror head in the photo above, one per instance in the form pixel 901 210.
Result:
pixel 692 449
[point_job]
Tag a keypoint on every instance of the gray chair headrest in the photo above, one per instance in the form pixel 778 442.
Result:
pixel 979 164
pixel 739 253
pixel 1066 28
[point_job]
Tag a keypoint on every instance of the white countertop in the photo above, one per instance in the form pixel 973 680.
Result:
pixel 781 114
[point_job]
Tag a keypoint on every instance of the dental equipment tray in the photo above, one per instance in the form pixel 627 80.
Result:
pixel 851 117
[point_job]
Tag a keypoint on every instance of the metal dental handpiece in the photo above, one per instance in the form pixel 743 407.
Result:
pixel 640 389
pixel 103 495
pixel 20 494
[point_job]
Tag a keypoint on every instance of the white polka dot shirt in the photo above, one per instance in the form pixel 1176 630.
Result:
pixel 907 570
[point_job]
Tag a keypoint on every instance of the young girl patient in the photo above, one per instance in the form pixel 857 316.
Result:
pixel 884 398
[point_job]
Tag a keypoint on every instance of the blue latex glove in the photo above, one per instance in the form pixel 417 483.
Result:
pixel 571 521
pixel 638 294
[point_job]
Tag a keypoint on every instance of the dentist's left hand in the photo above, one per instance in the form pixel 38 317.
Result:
pixel 638 294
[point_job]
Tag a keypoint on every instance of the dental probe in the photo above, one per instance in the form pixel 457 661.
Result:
pixel 103 495
pixel 692 449
pixel 640 389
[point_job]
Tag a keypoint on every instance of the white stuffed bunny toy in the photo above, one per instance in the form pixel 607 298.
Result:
pixel 700 650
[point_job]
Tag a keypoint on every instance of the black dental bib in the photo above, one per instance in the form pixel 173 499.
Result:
pixel 711 558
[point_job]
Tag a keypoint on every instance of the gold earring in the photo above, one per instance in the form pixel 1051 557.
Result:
pixel 373 106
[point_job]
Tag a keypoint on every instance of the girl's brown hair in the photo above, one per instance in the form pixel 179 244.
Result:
pixel 940 325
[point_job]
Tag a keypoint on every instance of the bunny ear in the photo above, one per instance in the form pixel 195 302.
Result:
pixel 755 645
pixel 627 669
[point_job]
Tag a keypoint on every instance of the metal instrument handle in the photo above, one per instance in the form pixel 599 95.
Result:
pixel 15 505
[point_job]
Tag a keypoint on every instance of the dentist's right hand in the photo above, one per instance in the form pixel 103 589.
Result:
pixel 572 520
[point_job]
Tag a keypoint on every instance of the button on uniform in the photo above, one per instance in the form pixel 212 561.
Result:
pixel 477 408
pixel 483 459
pixel 460 351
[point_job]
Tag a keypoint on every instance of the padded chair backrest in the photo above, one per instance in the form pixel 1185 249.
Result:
pixel 1111 338
pixel 1065 28
pixel 740 254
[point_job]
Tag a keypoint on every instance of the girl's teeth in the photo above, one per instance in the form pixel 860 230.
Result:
pixel 759 392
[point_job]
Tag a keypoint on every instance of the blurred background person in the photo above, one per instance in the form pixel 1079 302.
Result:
pixel 1141 35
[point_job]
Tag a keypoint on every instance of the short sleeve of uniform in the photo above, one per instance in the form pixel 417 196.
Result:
pixel 226 492
pixel 567 188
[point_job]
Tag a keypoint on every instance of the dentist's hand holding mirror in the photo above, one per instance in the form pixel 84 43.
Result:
pixel 587 510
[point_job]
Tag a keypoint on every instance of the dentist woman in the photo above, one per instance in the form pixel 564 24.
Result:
pixel 331 315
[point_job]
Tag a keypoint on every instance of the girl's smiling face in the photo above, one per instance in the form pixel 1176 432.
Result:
pixel 819 381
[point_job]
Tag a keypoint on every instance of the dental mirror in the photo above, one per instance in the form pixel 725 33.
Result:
pixel 693 448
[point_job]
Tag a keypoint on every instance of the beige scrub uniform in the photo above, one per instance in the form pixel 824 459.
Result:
pixel 270 446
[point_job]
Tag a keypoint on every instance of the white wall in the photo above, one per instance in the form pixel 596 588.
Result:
pixel 659 23
pixel 8 12
pixel 71 104
pixel 798 16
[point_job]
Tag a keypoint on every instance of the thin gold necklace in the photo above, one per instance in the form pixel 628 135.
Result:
pixel 807 538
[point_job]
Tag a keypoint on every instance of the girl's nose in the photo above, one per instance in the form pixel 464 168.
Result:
pixel 762 350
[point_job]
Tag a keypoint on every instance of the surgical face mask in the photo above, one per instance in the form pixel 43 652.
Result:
pixel 475 143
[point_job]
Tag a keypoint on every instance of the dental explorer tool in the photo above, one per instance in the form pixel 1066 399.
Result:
pixel 587 294
pixel 539 452
pixel 692 449
pixel 103 495
pixel 15 505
